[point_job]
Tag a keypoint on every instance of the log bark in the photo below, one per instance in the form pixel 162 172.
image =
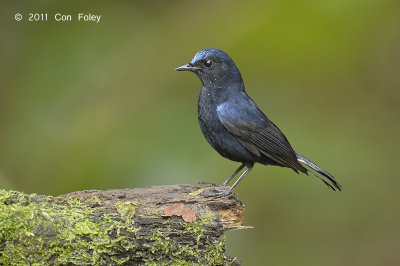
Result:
pixel 158 225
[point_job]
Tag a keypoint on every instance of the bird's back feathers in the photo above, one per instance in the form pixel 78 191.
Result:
pixel 257 133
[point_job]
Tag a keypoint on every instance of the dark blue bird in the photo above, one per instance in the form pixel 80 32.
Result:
pixel 234 125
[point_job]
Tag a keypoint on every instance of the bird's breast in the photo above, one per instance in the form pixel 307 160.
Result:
pixel 208 117
pixel 215 132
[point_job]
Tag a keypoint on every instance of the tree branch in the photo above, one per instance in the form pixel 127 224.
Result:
pixel 157 225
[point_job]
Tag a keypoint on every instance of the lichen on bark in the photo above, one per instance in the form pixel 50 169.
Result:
pixel 37 229
pixel 91 230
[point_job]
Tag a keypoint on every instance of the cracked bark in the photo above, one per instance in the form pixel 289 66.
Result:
pixel 137 221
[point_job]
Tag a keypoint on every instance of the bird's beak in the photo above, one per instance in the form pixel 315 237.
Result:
pixel 187 67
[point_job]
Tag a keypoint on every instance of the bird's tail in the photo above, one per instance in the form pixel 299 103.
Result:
pixel 319 172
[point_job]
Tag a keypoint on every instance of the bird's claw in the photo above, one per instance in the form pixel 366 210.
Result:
pixel 219 193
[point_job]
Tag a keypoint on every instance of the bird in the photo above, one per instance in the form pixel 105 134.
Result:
pixel 234 125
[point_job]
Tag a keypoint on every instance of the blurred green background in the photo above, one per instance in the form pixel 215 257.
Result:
pixel 99 106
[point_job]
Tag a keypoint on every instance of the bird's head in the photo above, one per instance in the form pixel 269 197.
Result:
pixel 214 68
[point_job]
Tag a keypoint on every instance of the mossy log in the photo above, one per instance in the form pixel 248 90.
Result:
pixel 159 225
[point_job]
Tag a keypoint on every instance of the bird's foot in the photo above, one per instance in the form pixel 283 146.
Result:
pixel 219 193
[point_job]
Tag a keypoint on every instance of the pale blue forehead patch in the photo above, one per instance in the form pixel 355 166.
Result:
pixel 200 56
pixel 213 53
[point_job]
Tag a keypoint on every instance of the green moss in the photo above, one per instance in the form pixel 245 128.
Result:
pixel 40 230
pixel 155 214
pixel 199 227
pixel 127 211
pixel 93 201
pixel 191 254
pixel 195 193
pixel 60 234
pixel 120 261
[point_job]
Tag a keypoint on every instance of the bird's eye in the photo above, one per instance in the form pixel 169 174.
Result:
pixel 208 64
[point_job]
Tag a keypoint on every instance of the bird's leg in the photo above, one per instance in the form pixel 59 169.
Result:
pixel 249 168
pixel 222 193
pixel 233 175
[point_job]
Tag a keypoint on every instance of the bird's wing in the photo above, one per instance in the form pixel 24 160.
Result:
pixel 256 133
